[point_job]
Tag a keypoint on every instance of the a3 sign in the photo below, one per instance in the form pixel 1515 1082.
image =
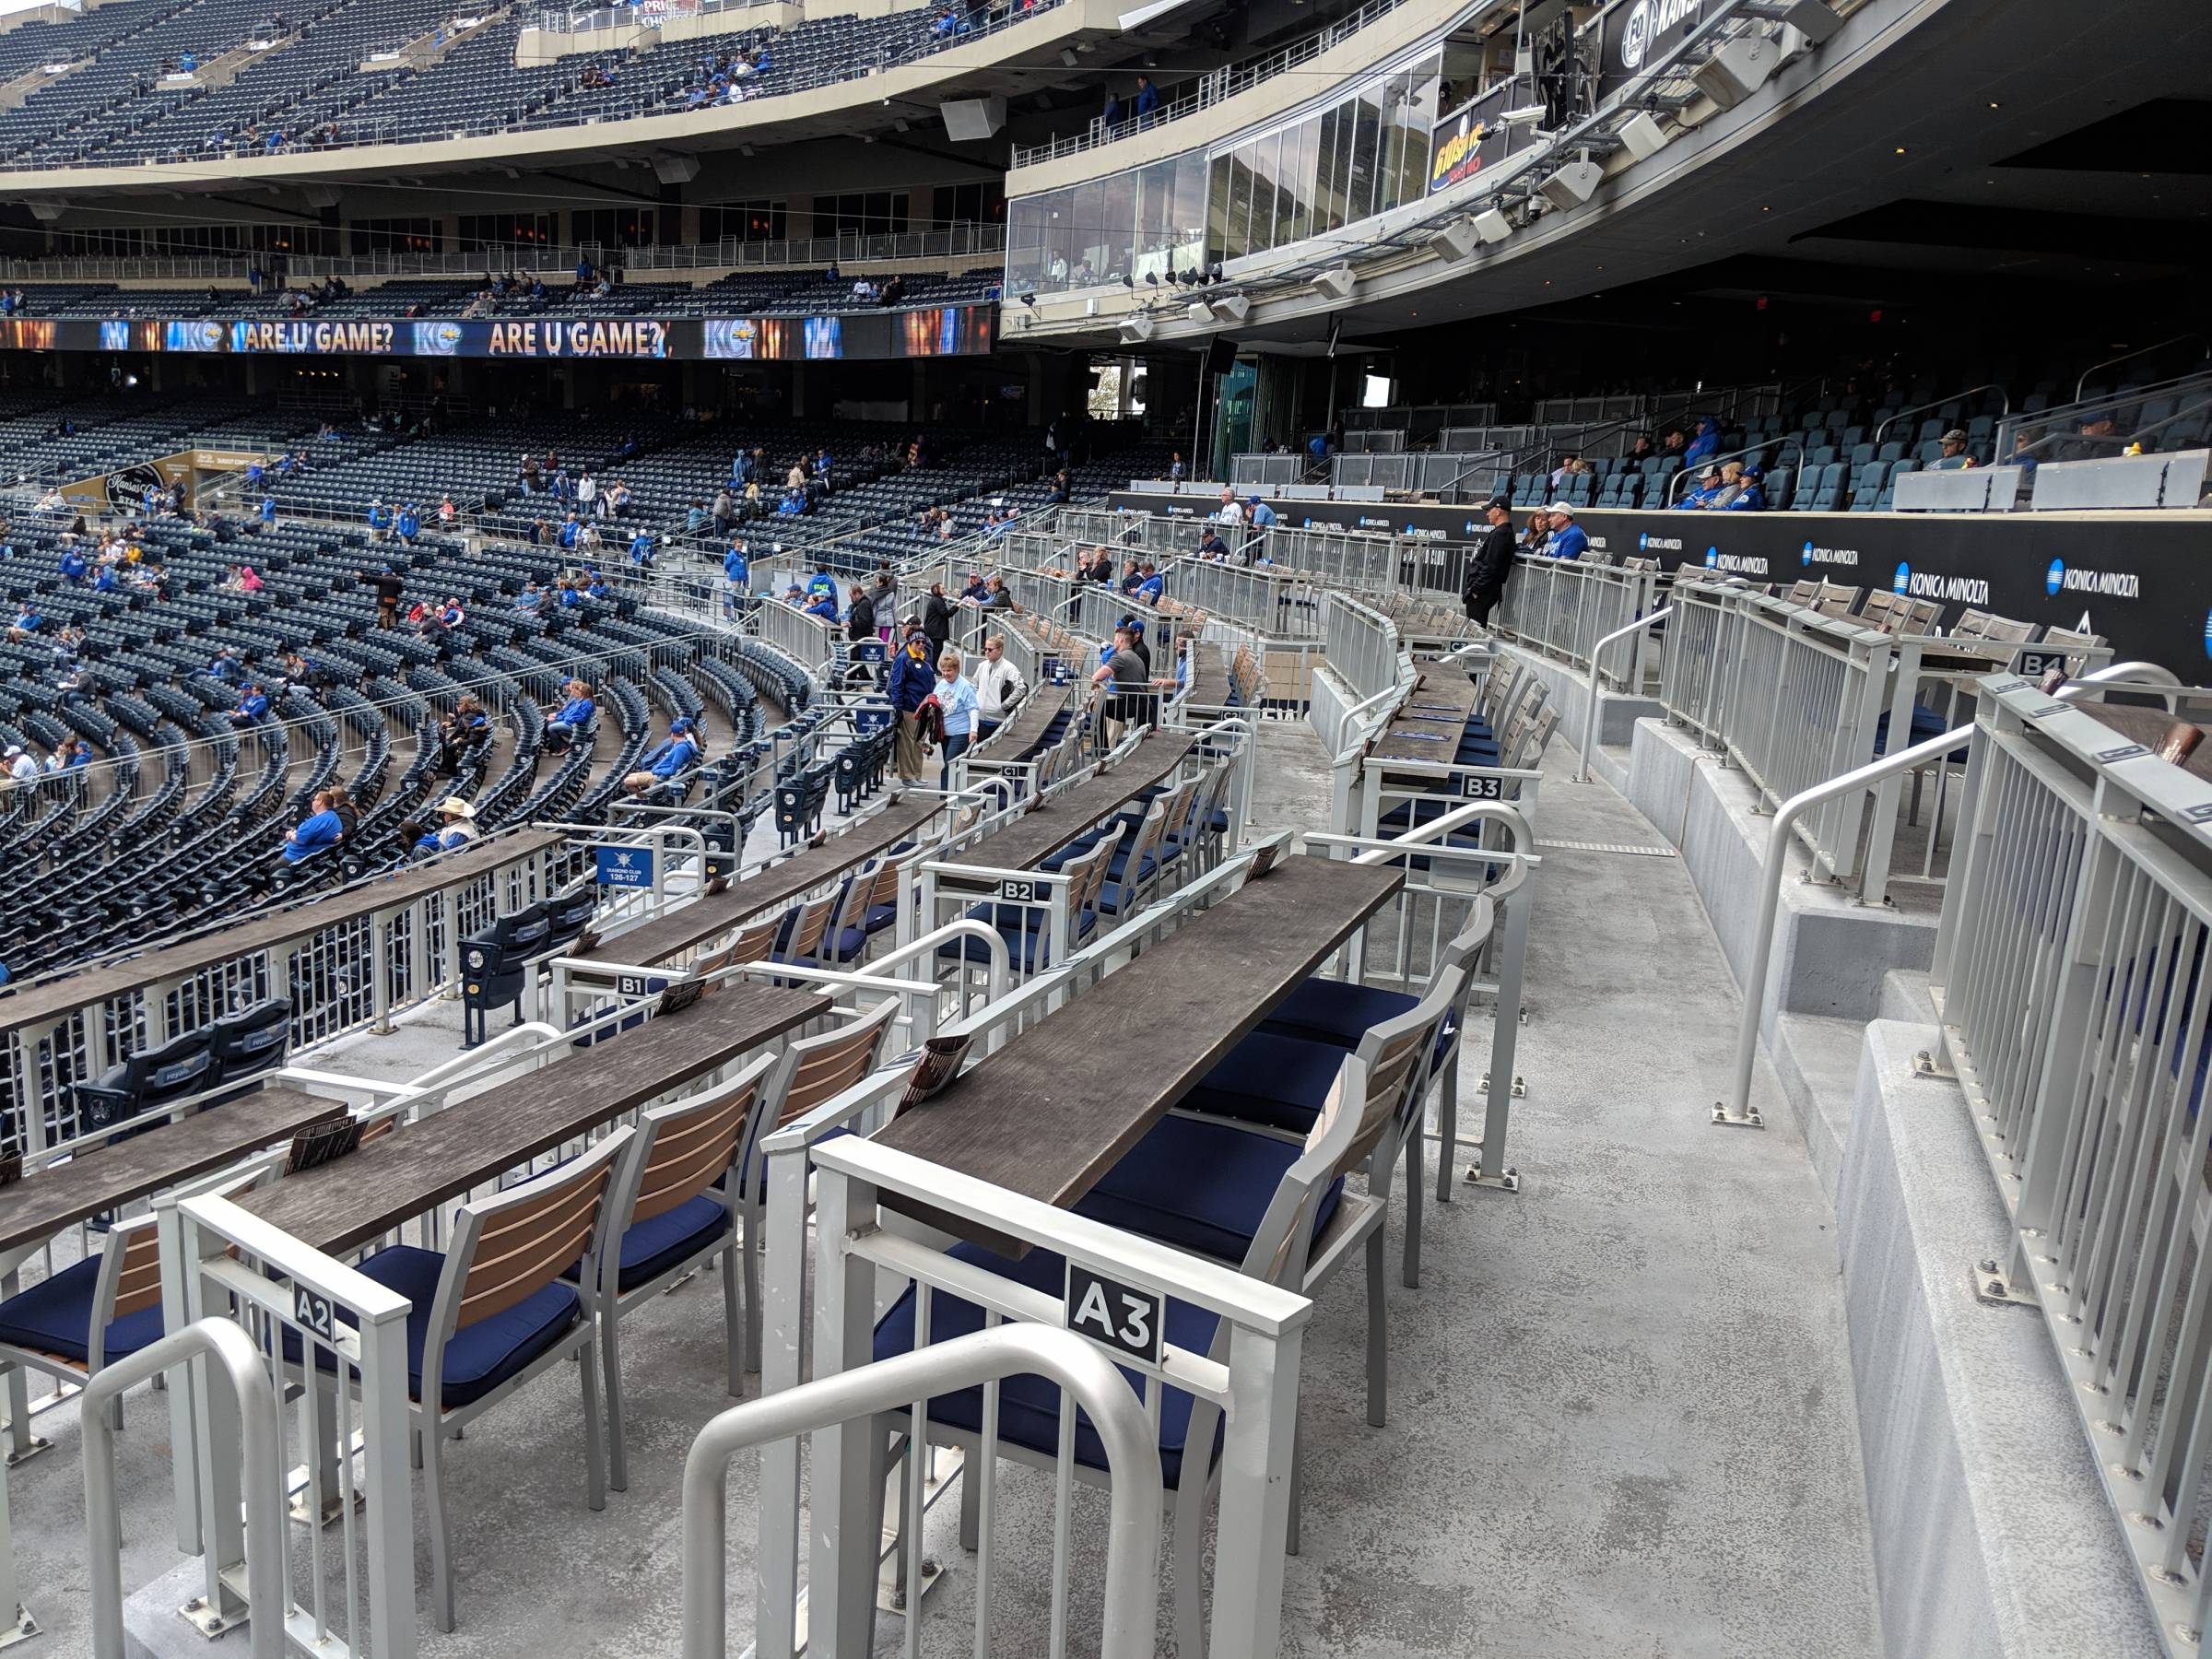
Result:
pixel 1126 1318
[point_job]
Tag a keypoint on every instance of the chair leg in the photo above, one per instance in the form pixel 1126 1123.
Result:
pixel 1447 1125
pixel 1298 1488
pixel 442 1535
pixel 610 1362
pixel 971 1503
pixel 1190 1561
pixel 1410 1270
pixel 1378 1343
pixel 19 1413
pixel 755 1222
pixel 594 1448
pixel 733 1320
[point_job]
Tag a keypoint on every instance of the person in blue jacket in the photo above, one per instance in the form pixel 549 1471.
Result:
pixel 105 581
pixel 912 680
pixel 737 575
pixel 380 518
pixel 268 512
pixel 821 582
pixel 227 667
pixel 574 715
pixel 250 706
pixel 597 588
pixel 641 548
pixel 823 605
pixel 1706 493
pixel 320 828
pixel 1568 540
pixel 1752 497
pixel 73 565
pixel 409 523
pixel 674 755
pixel 1706 440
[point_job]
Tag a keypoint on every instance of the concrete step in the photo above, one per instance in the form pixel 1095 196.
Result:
pixel 1816 1058
pixel 1906 995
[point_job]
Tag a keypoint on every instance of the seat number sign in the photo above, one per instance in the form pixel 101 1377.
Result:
pixel 1015 891
pixel 315 1314
pixel 1122 1317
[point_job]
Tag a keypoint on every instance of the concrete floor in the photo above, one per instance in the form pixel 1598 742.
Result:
pixel 1621 1414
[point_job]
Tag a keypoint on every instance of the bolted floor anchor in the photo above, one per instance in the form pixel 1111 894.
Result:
pixel 1508 1182
pixel 1993 1289
pixel 1724 1119
pixel 1925 1064
pixel 1520 1087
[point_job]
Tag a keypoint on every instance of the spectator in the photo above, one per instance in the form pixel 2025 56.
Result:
pixel 573 716
pixel 456 827
pixel 312 833
pixel 249 580
pixel 1154 585
pixel 27 623
pixel 823 605
pixel 1707 492
pixel 910 685
pixel 957 703
pixel 531 599
pixel 227 667
pixel 1565 470
pixel 1640 452
pixel 390 586
pixel 1672 445
pixel 1491 565
pixel 1752 497
pixel 860 616
pixel 672 755
pixel 1953 457
pixel 821 582
pixel 1732 486
pixel 1568 540
pixel 937 620
pixel 998 687
pixel 886 600
pixel 1148 100
pixel 408 524
pixel 996 597
pixel 1703 443
pixel 640 550
pixel 380 520
pixel 1258 514
pixel 268 512
pixel 251 706
pixel 1124 680
pixel 73 565
pixel 21 768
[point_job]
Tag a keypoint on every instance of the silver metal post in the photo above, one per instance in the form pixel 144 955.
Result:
pixel 1589 713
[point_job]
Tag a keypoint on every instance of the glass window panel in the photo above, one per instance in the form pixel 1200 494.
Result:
pixel 1260 155
pixel 1189 221
pixel 1390 151
pixel 1216 208
pixel 1328 202
pixel 1420 116
pixel 1360 193
pixel 1239 206
pixel 1301 155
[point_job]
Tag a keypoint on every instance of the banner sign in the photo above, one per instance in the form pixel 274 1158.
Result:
pixel 2139 579
pixel 927 331
pixel 1472 137
pixel 1634 35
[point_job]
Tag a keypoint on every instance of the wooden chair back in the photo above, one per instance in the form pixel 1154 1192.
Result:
pixel 683 1148
pixel 508 1248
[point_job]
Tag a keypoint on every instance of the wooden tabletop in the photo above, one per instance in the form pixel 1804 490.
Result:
pixel 1036 836
pixel 1015 736
pixel 1052 1111
pixel 43 1204
pixel 706 918
pixel 50 1001
pixel 1428 723
pixel 343 1205
pixel 2148 727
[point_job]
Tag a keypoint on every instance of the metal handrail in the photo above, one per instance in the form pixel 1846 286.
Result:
pixel 2139 351
pixel 1736 1111
pixel 1133 1523
pixel 1589 713
pixel 2002 415
pixel 232 1354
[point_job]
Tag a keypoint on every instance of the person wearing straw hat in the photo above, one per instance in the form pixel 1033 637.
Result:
pixel 456 827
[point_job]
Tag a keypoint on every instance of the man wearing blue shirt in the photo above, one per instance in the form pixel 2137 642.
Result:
pixel 1260 515
pixel 641 548
pixel 1568 540
pixel 597 588
pixel 250 706
pixel 1149 590
pixel 823 605
pixel 1703 497
pixel 321 829
pixel 1706 440
pixel 380 518
pixel 268 512
pixel 737 575
pixel 105 581
pixel 821 582
pixel 227 667
pixel 27 623
pixel 570 530
pixel 73 565
pixel 409 523
pixel 675 754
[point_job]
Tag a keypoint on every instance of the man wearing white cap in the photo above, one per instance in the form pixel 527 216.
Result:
pixel 1568 540
pixel 21 768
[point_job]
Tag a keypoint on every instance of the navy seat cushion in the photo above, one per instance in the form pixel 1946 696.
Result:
pixel 1201 1185
pixel 1336 1011
pixel 55 1316
pixel 880 916
pixel 481 1356
pixel 1267 1078
pixel 1029 1406
pixel 652 1247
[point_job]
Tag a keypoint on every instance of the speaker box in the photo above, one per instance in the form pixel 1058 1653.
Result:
pixel 1200 312
pixel 1335 283
pixel 1231 308
pixel 1735 72
pixel 1220 355
pixel 1573 184
pixel 1456 239
pixel 1643 137
pixel 1491 225
pixel 675 169
pixel 967 120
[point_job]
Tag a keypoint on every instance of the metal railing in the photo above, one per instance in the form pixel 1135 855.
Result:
pixel 257 1435
pixel 981 1358
pixel 2076 1012
pixel 1939 403
pixel 1791 697
pixel 1564 606
pixel 1363 655
pixel 952 240
pixel 1215 87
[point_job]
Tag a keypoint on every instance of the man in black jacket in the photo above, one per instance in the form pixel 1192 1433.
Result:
pixel 1492 564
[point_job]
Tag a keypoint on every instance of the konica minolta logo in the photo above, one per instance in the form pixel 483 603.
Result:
pixel 1713 558
pixel 1813 554
pixel 1736 564
pixel 1955 590
pixel 1903 579
pixel 1659 544
pixel 2061 578
pixel 1807 558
